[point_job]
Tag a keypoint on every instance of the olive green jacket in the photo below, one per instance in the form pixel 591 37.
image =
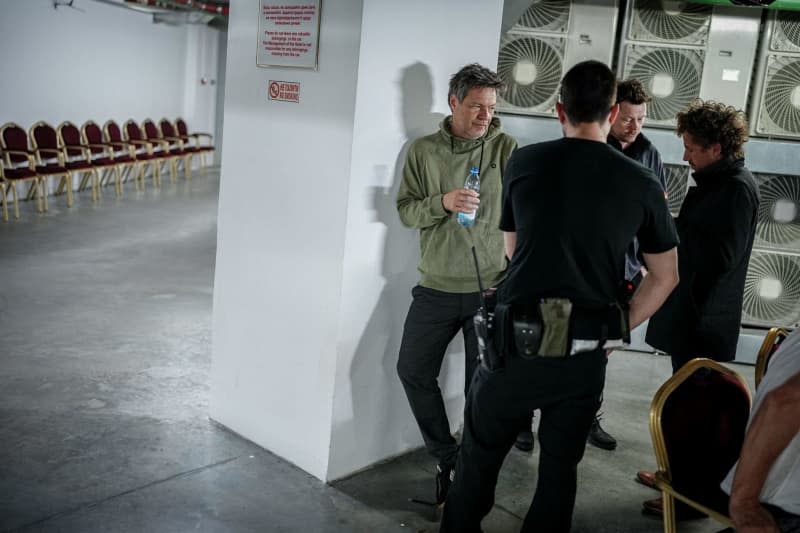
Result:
pixel 436 164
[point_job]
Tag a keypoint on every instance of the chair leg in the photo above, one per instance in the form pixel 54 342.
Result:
pixel 5 201
pixel 68 179
pixel 173 170
pixel 43 194
pixel 668 505
pixel 32 192
pixel 187 167
pixel 95 184
pixel 16 201
pixel 140 175
pixel 118 178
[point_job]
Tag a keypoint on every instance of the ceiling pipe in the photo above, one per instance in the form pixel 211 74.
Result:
pixel 193 5
pixel 135 7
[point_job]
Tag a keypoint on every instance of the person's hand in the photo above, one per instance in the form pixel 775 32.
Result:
pixel 461 200
pixel 752 517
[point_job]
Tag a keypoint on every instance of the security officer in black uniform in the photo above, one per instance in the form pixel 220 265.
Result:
pixel 571 207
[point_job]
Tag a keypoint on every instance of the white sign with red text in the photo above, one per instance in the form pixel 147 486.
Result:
pixel 288 33
pixel 284 91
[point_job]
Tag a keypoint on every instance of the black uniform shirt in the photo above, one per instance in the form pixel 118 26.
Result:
pixel 575 206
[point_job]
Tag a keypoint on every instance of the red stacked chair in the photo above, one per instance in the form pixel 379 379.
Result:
pixel 134 135
pixel 193 140
pixel 79 158
pixel 112 134
pixel 50 160
pixel 17 166
pixel 170 134
pixel 118 154
pixel 173 154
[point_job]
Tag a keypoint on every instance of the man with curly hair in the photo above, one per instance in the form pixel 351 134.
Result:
pixel 716 226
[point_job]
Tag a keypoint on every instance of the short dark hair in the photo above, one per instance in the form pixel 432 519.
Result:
pixel 632 91
pixel 712 122
pixel 472 76
pixel 587 92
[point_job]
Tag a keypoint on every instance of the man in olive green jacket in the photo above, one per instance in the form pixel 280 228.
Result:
pixel 431 195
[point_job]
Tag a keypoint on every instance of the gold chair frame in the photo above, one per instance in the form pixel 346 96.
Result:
pixel 37 187
pixel 42 156
pixel 138 165
pixel 774 336
pixel 663 477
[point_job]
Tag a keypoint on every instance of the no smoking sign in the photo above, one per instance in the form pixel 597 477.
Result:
pixel 284 91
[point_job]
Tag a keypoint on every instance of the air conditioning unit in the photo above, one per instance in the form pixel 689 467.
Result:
pixel 778 226
pixel 677 178
pixel 548 39
pixel 682 51
pixel 772 289
pixel 776 108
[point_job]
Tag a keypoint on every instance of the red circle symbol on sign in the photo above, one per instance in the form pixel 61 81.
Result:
pixel 273 89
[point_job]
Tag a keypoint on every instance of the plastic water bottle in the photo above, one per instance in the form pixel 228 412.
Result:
pixel 473 183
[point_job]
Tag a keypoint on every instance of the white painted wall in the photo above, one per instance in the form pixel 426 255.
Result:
pixel 280 244
pixel 314 271
pixel 100 63
pixel 409 50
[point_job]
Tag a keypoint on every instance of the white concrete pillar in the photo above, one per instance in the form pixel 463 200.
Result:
pixel 314 270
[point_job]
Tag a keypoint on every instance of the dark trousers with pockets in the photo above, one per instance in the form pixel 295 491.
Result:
pixel 567 391
pixel 433 320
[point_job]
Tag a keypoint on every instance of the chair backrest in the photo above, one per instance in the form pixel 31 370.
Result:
pixel 43 135
pixel 698 419
pixel 70 135
pixel 112 131
pixel 133 132
pixel 14 137
pixel 92 134
pixel 151 129
pixel 183 131
pixel 772 341
pixel 167 128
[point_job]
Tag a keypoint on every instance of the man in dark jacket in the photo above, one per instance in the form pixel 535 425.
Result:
pixel 627 137
pixel 716 226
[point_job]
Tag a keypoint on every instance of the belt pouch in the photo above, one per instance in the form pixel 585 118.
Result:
pixel 556 314
pixel 527 334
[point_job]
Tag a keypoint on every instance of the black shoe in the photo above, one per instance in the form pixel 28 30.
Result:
pixel 600 438
pixel 524 440
pixel 444 478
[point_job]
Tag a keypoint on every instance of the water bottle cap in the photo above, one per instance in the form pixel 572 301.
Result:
pixel 474 170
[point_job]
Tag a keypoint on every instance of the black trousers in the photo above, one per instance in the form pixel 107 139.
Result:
pixel 433 320
pixel 567 391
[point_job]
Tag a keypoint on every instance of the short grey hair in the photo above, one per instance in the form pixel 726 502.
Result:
pixel 472 76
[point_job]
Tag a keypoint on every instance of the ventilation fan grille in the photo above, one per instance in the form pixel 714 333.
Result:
pixel 772 290
pixel 532 68
pixel 671 75
pixel 545 15
pixel 779 212
pixel 786 32
pixel 670 21
pixel 677 186
pixel 779 113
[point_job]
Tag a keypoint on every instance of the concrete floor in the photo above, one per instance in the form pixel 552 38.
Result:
pixel 105 314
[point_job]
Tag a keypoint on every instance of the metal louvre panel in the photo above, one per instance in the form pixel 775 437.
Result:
pixel 671 75
pixel 772 290
pixel 786 31
pixel 778 110
pixel 531 66
pixel 545 16
pixel 779 212
pixel 547 40
pixel 669 21
pixel 677 186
